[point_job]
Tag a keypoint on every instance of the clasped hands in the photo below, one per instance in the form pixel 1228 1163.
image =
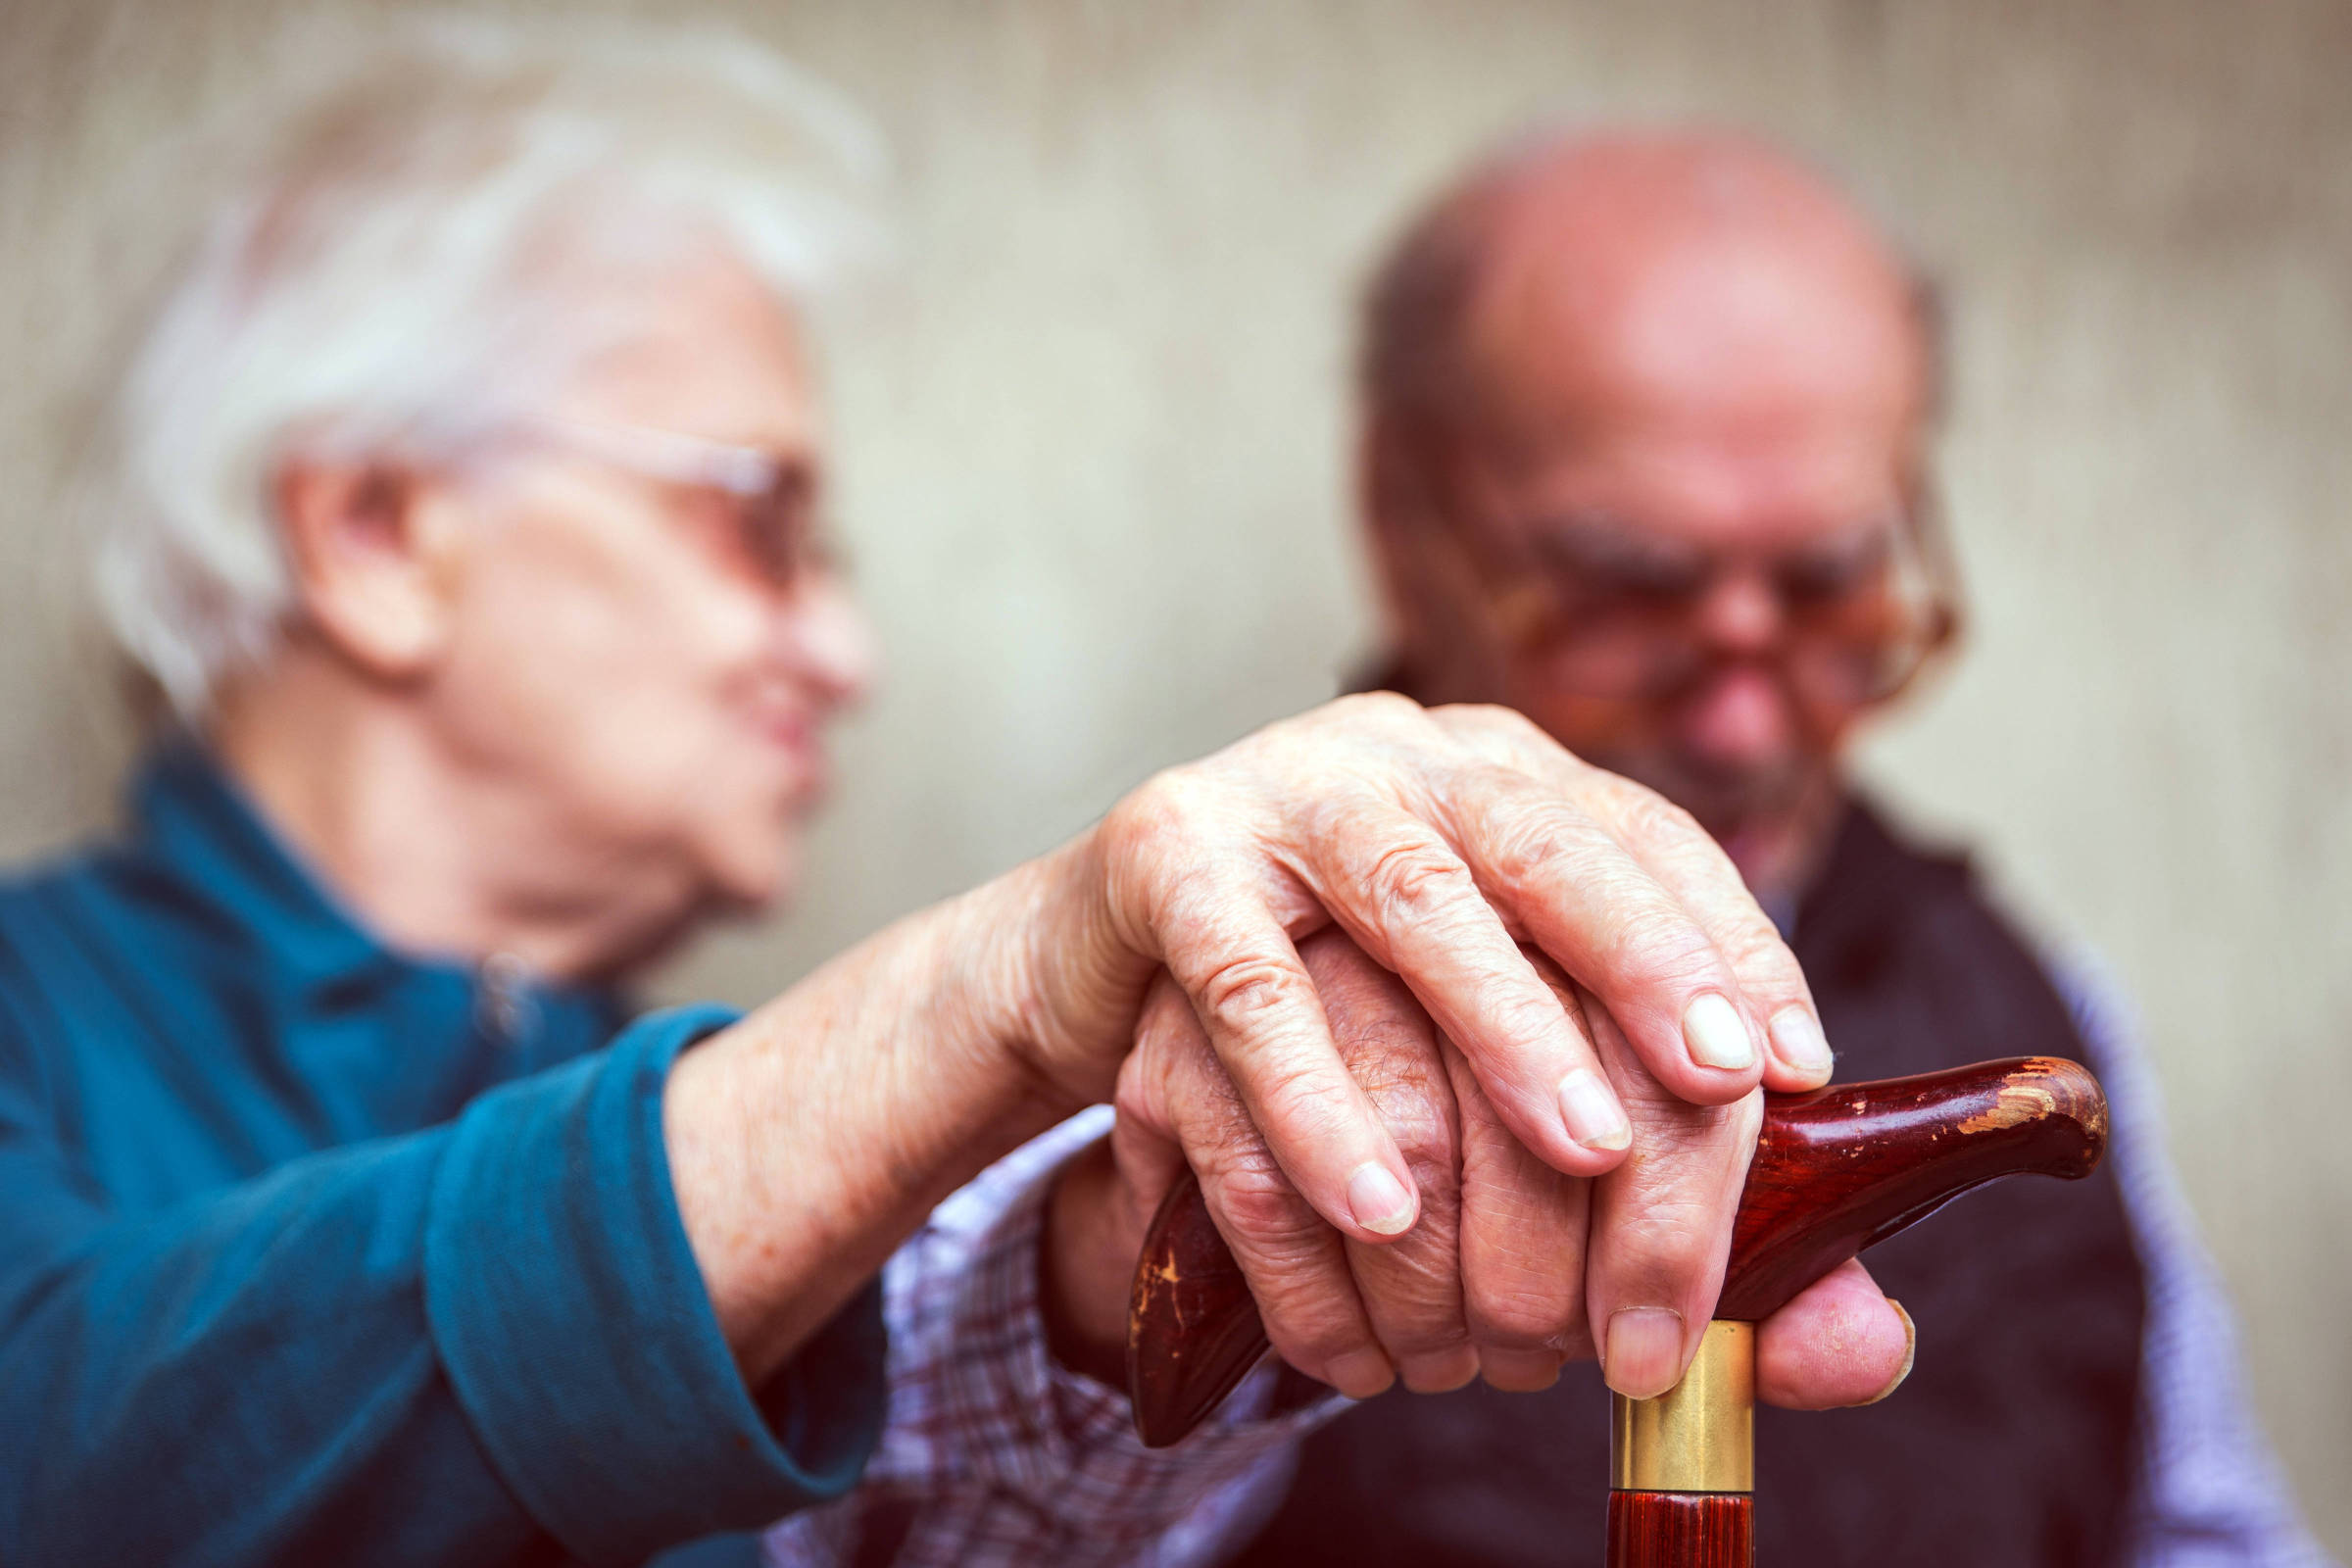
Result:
pixel 1462 1035
pixel 1435 1155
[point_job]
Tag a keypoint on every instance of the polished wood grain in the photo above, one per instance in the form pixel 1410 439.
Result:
pixel 1682 1529
pixel 1843 1168
pixel 1835 1171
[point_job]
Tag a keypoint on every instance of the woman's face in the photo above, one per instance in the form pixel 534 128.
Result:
pixel 651 659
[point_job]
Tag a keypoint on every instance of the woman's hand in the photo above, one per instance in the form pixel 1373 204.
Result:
pixel 1475 863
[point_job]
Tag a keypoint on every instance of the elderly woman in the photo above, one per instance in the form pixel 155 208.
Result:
pixel 467 517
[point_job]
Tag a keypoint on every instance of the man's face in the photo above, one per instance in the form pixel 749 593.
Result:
pixel 1663 541
pixel 647 661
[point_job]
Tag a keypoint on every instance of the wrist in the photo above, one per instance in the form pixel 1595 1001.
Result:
pixel 806 1142
pixel 995 993
pixel 1075 982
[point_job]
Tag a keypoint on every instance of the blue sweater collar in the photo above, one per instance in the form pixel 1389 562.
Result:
pixel 210 851
pixel 195 826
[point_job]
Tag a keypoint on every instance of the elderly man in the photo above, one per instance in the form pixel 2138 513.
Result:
pixel 468 487
pixel 1644 458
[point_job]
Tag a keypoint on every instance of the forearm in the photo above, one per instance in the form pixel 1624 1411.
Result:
pixel 250 1347
pixel 809 1141
pixel 425 1310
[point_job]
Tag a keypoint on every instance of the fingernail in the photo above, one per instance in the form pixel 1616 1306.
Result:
pixel 1799 1041
pixel 1645 1352
pixel 1594 1118
pixel 1910 1351
pixel 1379 1200
pixel 1359 1374
pixel 1716 1036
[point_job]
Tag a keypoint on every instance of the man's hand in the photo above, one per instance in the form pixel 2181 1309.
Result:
pixel 1498 1278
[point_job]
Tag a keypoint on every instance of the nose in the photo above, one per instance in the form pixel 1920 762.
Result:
pixel 1740 716
pixel 1740 616
pixel 828 644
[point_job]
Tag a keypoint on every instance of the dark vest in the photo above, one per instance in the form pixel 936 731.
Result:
pixel 2011 1444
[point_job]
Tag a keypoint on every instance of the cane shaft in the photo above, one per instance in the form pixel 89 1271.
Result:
pixel 1682 1529
pixel 1682 1466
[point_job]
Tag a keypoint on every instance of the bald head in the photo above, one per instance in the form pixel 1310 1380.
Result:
pixel 1645 420
pixel 1580 270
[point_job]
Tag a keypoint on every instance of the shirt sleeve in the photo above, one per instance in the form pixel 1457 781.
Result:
pixel 994 1453
pixel 2209 1491
pixel 445 1346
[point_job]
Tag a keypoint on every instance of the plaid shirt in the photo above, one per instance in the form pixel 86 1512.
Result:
pixel 996 1455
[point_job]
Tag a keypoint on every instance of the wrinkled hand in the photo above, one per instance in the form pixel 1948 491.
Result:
pixel 1448 844
pixel 1511 1262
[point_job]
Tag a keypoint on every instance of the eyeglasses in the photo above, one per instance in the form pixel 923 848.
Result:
pixel 761 504
pixel 1611 609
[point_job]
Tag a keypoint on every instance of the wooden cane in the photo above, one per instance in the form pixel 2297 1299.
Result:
pixel 1835 1171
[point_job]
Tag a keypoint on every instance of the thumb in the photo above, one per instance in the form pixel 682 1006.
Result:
pixel 1144 1150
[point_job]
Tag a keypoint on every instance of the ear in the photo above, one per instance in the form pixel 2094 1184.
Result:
pixel 373 548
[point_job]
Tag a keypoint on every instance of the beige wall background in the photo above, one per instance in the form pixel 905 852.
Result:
pixel 1094 446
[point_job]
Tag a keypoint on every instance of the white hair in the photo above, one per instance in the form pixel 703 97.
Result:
pixel 375 283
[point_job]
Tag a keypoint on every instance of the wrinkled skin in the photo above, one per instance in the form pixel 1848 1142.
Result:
pixel 1487 1285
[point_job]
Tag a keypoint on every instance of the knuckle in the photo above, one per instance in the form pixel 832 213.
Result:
pixel 1422 1124
pixel 1300 1106
pixel 1167 809
pixel 1394 1055
pixel 1309 1330
pixel 1672 1240
pixel 1507 724
pixel 1371 1012
pixel 1646 815
pixel 1381 709
pixel 1417 882
pixel 1413 1287
pixel 1417 1319
pixel 1685 1190
pixel 1654 942
pixel 1757 952
pixel 1241 995
pixel 1525 1013
pixel 1380 1031
pixel 1534 842
pixel 1259 1202
pixel 1525 1317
